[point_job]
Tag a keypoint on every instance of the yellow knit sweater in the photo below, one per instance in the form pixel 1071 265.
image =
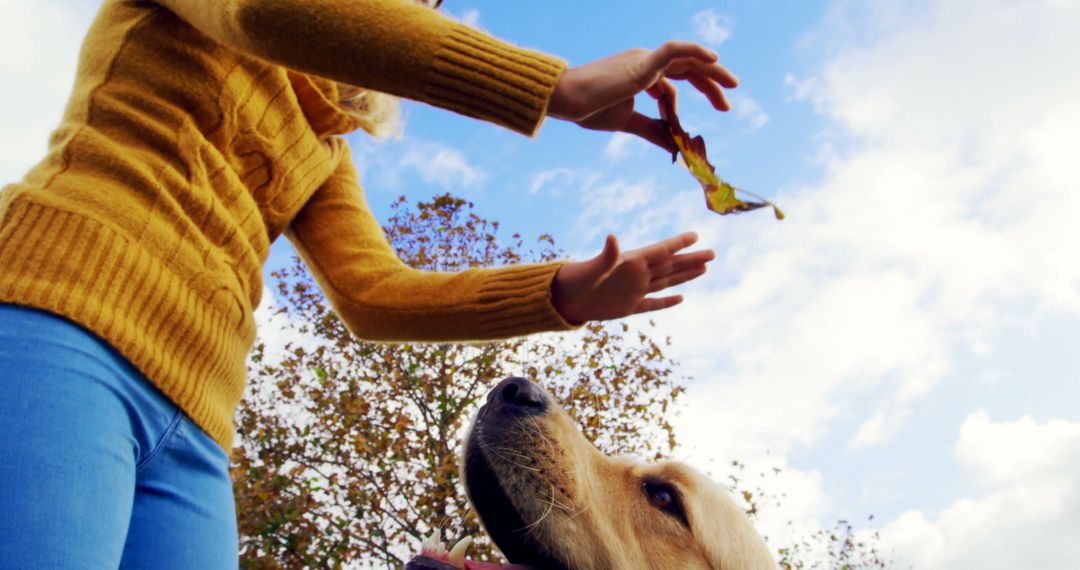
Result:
pixel 190 144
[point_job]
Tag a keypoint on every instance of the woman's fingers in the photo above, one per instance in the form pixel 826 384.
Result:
pixel 717 73
pixel 664 88
pixel 661 258
pixel 660 251
pixel 712 92
pixel 682 262
pixel 652 130
pixel 592 88
pixel 657 303
pixel 661 57
pixel 706 78
pixel 694 63
pixel 702 72
pixel 683 68
pixel 680 269
pixel 676 278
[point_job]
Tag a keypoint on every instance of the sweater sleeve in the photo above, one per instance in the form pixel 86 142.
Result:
pixel 380 298
pixel 393 46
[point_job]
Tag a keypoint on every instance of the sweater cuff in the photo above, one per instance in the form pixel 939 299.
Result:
pixel 516 300
pixel 479 76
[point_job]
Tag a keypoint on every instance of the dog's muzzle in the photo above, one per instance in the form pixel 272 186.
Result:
pixel 498 425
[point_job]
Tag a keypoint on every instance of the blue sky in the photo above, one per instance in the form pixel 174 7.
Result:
pixel 904 344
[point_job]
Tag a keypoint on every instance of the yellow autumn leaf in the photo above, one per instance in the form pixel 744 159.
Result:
pixel 720 196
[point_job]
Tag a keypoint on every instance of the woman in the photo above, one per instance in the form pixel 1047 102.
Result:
pixel 198 132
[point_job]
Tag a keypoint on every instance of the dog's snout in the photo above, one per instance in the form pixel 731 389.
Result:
pixel 520 393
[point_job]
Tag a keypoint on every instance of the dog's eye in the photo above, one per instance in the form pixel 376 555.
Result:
pixel 661 498
pixel 665 497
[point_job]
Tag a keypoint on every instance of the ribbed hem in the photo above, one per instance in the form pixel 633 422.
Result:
pixel 482 77
pixel 517 300
pixel 84 270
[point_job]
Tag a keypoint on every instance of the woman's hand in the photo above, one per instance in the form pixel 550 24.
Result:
pixel 611 286
pixel 600 95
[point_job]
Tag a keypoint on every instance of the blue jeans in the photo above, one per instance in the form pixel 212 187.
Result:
pixel 98 469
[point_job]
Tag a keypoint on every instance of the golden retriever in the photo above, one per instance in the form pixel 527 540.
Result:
pixel 550 500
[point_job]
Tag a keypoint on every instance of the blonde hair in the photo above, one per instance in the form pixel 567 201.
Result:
pixel 378 113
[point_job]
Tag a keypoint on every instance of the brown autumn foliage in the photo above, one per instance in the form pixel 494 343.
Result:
pixel 348 449
pixel 839 547
pixel 843 548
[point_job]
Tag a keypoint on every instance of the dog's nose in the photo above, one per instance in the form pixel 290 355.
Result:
pixel 520 393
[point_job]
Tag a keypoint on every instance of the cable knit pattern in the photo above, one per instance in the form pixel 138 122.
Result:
pixel 199 131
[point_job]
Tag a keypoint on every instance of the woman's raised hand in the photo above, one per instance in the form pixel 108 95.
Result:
pixel 600 95
pixel 613 285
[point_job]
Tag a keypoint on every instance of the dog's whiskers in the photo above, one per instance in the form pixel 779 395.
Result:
pixel 551 505
pixel 540 432
pixel 560 505
pixel 526 429
pixel 494 451
pixel 583 509
pixel 511 451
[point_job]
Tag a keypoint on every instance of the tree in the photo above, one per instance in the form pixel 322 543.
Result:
pixel 843 549
pixel 348 450
pixel 839 547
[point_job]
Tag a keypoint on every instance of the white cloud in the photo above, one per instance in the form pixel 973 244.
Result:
pixel 544 178
pixel 1000 453
pixel 657 211
pixel 441 165
pixel 800 88
pixel 748 111
pixel 712 27
pixel 777 361
pixel 606 205
pixel 881 426
pixel 556 180
pixel 622 146
pixel 37 64
pixel 1028 519
pixel 470 17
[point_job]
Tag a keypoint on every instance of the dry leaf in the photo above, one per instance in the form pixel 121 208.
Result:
pixel 720 196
